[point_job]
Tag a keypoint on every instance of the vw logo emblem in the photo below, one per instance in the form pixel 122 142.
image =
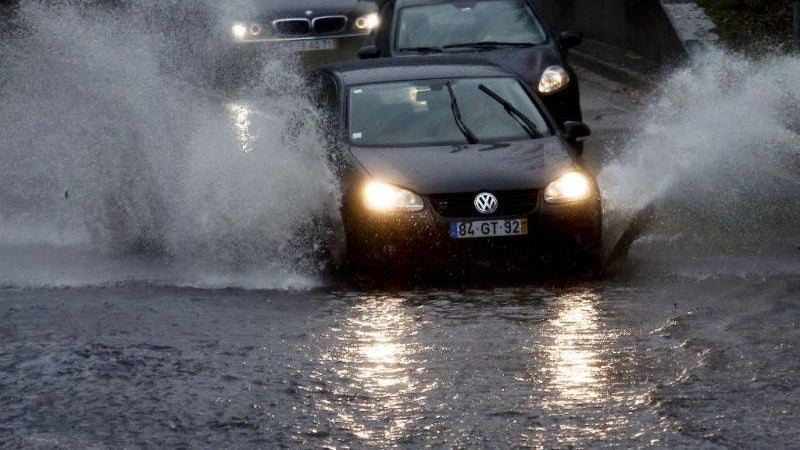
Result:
pixel 485 203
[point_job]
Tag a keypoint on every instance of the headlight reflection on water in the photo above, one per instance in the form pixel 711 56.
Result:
pixel 578 337
pixel 376 362
pixel 576 370
pixel 532 368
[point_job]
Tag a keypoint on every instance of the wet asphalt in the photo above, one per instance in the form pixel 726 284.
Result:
pixel 663 351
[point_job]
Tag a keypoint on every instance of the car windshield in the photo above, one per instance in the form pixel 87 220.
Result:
pixel 468 22
pixel 423 112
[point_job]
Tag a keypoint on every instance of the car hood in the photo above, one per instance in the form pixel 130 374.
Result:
pixel 516 165
pixel 298 8
pixel 527 63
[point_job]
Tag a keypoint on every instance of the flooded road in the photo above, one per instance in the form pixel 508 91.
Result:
pixel 151 297
pixel 621 363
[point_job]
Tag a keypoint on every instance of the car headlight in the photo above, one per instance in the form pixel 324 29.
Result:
pixel 242 31
pixel 553 80
pixel 568 188
pixel 368 22
pixel 387 198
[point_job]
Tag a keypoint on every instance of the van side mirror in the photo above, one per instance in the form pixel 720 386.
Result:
pixel 369 52
pixel 570 39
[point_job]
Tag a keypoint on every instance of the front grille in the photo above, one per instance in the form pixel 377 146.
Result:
pixel 291 27
pixel 509 203
pixel 329 24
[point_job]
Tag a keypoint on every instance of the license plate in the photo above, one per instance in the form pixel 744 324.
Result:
pixel 488 228
pixel 313 45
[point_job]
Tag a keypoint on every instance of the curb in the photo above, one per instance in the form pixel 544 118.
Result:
pixel 612 71
pixel 616 64
pixel 691 23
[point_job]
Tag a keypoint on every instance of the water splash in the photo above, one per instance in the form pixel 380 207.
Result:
pixel 113 141
pixel 718 156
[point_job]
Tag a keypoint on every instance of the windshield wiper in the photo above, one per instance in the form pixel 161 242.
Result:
pixel 521 118
pixel 421 49
pixel 489 44
pixel 457 115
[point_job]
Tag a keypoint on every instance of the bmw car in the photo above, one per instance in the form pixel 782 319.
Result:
pixel 453 160
pixel 318 31
pixel 509 33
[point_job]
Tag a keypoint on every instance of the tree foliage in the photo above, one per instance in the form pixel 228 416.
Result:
pixel 753 25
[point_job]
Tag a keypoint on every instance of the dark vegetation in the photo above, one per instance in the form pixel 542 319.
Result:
pixel 753 25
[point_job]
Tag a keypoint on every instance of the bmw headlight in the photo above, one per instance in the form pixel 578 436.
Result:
pixel 553 80
pixel 387 198
pixel 568 188
pixel 242 31
pixel 368 22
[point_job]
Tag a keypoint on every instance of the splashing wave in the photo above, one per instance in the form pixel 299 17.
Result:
pixel 718 155
pixel 115 144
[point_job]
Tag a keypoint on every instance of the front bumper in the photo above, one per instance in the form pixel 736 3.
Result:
pixel 310 51
pixel 423 238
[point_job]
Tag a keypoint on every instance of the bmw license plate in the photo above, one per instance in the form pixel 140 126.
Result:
pixel 488 228
pixel 313 45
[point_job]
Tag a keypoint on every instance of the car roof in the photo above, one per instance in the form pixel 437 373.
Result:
pixel 381 70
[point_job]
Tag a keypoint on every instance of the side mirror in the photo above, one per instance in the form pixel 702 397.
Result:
pixel 569 39
pixel 369 52
pixel 576 130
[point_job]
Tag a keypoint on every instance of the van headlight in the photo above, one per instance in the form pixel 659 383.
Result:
pixel 384 197
pixel 554 79
pixel 568 188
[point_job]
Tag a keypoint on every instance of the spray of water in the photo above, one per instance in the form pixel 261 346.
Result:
pixel 115 144
pixel 718 157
